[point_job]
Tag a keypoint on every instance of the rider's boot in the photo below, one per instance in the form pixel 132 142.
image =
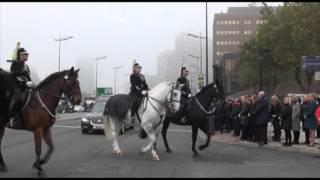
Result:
pixel 11 112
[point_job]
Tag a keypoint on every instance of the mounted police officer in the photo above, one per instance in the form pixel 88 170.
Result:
pixel 139 88
pixel 185 89
pixel 21 71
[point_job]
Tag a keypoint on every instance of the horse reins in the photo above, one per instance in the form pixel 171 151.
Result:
pixel 54 95
pixel 203 109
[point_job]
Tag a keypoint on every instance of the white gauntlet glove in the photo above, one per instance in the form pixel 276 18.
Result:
pixel 29 84
pixel 189 95
pixel 144 92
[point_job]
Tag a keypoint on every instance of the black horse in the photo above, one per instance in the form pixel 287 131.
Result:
pixel 197 116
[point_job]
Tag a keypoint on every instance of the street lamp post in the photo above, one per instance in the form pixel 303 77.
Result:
pixel 59 40
pixel 196 57
pixel 97 60
pixel 115 78
pixel 200 38
pixel 206 43
pixel 261 52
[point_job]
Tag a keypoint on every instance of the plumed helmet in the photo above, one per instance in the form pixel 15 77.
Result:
pixel 15 52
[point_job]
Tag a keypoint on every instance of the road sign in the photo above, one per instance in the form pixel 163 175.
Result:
pixel 311 63
pixel 317 76
pixel 200 81
pixel 104 91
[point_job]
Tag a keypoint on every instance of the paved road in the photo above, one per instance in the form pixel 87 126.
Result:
pixel 78 155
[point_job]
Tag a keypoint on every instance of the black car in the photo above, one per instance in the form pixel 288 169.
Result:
pixel 93 121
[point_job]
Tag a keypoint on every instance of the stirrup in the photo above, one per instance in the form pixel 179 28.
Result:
pixel 11 122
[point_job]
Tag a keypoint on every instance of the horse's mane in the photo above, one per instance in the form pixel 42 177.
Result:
pixel 206 87
pixel 50 78
pixel 157 86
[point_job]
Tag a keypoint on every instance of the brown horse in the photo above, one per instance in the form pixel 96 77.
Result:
pixel 39 114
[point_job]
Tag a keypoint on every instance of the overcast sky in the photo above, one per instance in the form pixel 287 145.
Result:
pixel 120 31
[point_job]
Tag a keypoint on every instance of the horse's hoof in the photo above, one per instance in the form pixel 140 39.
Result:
pixel 141 152
pixel 168 151
pixel 156 158
pixel 41 174
pixel 3 169
pixel 196 154
pixel 119 154
pixel 201 147
pixel 34 166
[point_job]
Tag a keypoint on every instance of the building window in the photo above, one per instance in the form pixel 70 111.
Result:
pixel 247 22
pixel 218 32
pixel 222 32
pixel 247 32
pixel 218 43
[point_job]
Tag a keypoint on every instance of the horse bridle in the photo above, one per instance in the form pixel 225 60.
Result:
pixel 66 98
pixel 66 77
pixel 161 102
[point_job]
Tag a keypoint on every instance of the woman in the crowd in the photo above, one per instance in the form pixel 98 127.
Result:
pixel 275 111
pixel 296 112
pixel 244 117
pixel 310 119
pixel 286 121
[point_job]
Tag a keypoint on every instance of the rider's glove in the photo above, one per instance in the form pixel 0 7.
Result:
pixel 29 84
pixel 189 95
pixel 144 92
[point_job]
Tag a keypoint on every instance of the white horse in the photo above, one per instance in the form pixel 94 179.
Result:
pixel 152 112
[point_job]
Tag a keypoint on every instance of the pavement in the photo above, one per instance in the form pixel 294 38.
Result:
pixel 228 138
pixel 90 155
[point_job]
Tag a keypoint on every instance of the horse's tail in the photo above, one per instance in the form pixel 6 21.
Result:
pixel 108 129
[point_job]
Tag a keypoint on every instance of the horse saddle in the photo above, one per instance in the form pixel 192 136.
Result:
pixel 18 120
pixel 24 99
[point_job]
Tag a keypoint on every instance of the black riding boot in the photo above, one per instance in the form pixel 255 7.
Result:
pixel 11 111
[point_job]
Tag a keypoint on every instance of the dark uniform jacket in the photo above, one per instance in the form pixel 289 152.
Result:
pixel 20 69
pixel 138 84
pixel 186 88
pixel 286 117
pixel 261 112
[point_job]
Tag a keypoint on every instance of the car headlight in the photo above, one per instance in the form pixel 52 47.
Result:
pixel 84 120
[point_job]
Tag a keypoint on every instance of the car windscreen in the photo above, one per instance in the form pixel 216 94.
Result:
pixel 99 107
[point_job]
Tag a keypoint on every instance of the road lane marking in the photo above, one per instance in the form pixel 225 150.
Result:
pixel 76 127
pixel 177 130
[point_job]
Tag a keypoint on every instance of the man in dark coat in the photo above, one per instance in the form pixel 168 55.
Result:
pixel 21 71
pixel 139 88
pixel 185 89
pixel 236 120
pixel 261 113
pixel 186 93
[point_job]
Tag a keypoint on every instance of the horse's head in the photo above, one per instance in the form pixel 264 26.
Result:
pixel 174 98
pixel 213 91
pixel 71 86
